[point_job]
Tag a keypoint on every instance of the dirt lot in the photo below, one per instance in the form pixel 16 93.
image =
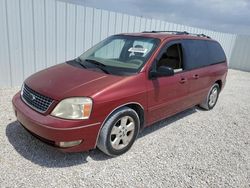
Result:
pixel 194 148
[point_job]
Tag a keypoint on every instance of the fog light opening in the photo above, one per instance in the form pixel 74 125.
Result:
pixel 69 144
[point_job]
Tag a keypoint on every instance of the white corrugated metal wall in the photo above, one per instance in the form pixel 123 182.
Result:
pixel 35 34
pixel 241 53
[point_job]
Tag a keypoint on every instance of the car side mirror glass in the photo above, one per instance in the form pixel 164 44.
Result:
pixel 165 71
pixel 162 71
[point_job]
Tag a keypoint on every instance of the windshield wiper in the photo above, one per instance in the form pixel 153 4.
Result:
pixel 78 60
pixel 99 65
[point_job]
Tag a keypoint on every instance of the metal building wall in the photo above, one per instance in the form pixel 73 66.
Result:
pixel 35 34
pixel 241 53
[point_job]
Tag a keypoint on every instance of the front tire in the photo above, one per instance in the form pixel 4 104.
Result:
pixel 119 132
pixel 211 98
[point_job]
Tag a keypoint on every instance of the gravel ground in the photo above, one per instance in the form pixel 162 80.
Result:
pixel 192 149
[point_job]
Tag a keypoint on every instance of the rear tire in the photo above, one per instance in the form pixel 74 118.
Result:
pixel 119 132
pixel 211 98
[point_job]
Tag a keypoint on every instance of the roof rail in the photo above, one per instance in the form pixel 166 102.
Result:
pixel 179 33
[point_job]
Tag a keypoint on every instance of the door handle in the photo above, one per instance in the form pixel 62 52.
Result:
pixel 196 76
pixel 183 80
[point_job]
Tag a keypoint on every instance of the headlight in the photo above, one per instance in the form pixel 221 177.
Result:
pixel 73 108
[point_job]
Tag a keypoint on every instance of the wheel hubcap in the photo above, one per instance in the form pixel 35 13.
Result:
pixel 213 97
pixel 122 132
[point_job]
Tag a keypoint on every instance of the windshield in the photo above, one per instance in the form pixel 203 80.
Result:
pixel 121 54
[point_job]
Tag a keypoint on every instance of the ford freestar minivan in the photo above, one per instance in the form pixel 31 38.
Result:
pixel 127 82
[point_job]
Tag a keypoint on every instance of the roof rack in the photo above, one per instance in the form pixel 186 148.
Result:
pixel 179 33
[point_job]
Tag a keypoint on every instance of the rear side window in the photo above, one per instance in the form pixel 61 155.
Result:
pixel 216 53
pixel 201 53
pixel 196 54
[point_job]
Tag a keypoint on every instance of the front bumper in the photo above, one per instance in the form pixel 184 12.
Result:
pixel 54 130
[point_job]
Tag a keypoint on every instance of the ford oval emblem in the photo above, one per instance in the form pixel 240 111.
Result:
pixel 32 97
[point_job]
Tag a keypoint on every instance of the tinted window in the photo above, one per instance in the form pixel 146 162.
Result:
pixel 195 53
pixel 216 53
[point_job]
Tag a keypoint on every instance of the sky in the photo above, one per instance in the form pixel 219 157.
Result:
pixel 230 16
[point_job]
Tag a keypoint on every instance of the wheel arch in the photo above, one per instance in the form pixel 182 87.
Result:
pixel 219 82
pixel 140 111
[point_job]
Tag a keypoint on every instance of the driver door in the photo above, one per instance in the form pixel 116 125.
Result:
pixel 168 95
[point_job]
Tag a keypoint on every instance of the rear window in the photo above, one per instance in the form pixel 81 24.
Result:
pixel 200 53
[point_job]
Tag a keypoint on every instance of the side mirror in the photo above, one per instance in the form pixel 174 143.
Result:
pixel 161 72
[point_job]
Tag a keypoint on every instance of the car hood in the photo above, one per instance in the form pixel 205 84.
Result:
pixel 64 80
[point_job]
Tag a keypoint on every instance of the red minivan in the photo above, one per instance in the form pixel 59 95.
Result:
pixel 127 82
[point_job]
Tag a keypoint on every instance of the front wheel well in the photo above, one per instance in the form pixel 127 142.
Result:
pixel 140 111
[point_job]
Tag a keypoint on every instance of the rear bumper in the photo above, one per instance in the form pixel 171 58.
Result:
pixel 54 130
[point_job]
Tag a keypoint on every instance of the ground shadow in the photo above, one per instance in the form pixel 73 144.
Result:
pixel 44 155
pixel 167 121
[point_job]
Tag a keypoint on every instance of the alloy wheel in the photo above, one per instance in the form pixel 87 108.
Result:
pixel 122 132
pixel 213 96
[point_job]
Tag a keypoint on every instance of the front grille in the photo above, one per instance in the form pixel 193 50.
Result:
pixel 35 100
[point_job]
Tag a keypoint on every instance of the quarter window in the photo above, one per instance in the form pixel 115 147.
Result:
pixel 216 53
